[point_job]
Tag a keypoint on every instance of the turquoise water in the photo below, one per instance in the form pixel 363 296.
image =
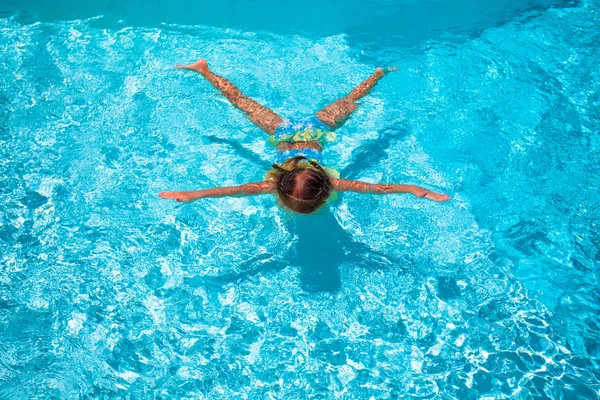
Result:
pixel 107 291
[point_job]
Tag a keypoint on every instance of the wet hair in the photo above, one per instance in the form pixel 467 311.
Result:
pixel 303 189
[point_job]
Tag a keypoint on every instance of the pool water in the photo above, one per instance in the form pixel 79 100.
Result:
pixel 107 291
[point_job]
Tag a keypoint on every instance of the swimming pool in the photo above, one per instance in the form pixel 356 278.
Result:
pixel 108 291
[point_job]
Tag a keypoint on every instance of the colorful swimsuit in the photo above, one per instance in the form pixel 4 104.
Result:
pixel 304 129
pixel 301 130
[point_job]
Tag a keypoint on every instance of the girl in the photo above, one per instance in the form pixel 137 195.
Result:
pixel 298 178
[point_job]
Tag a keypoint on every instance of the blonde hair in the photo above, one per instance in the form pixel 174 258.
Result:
pixel 301 188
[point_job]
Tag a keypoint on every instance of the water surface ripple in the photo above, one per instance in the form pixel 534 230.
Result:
pixel 108 291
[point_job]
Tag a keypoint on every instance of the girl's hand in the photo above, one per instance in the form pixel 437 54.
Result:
pixel 344 185
pixel 439 197
pixel 185 197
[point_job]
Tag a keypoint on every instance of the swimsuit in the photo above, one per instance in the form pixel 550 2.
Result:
pixel 310 154
pixel 305 129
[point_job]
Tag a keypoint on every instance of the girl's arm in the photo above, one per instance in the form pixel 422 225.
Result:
pixel 343 185
pixel 242 190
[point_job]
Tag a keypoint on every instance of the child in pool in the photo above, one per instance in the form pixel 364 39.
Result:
pixel 298 178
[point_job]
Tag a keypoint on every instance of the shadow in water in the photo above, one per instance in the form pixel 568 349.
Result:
pixel 372 152
pixel 241 151
pixel 321 247
pixel 322 244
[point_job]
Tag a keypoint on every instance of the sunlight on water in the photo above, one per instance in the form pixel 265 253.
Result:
pixel 108 291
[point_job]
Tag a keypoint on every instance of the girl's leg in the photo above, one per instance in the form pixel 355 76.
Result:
pixel 337 113
pixel 265 118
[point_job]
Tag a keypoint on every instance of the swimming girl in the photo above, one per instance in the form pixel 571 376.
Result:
pixel 298 178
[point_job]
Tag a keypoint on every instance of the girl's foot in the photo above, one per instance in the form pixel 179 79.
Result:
pixel 200 66
pixel 386 70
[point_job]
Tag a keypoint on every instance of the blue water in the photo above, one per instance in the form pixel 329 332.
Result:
pixel 107 291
